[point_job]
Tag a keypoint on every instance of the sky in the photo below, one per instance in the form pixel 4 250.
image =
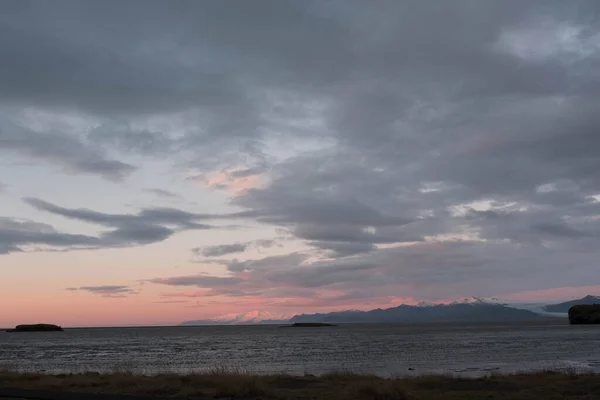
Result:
pixel 162 161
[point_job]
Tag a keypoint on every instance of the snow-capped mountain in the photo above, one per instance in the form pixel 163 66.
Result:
pixel 477 300
pixel 247 318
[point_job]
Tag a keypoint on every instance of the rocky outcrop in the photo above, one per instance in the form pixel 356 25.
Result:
pixel 584 314
pixel 310 325
pixel 36 328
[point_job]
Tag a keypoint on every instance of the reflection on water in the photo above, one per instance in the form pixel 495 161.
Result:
pixel 382 349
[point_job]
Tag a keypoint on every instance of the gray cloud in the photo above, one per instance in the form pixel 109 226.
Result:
pixel 267 263
pixel 237 283
pixel 143 87
pixel 63 150
pixel 220 250
pixel 345 240
pixel 147 226
pixel 15 233
pixel 125 137
pixel 162 193
pixel 343 249
pixel 106 289
pixel 171 302
pixel 197 280
pixel 112 291
pixel 243 173
pixel 224 249
pixel 146 218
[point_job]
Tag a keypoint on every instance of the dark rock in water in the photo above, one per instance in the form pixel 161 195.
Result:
pixel 36 328
pixel 584 314
pixel 309 325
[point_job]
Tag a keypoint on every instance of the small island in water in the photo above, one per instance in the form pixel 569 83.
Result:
pixel 36 328
pixel 584 314
pixel 308 325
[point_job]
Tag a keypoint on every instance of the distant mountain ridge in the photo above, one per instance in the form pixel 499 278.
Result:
pixel 454 312
pixel 564 307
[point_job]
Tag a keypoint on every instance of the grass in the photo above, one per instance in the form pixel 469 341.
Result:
pixel 237 383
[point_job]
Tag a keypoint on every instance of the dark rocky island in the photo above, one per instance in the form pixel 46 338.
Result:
pixel 584 314
pixel 36 328
pixel 308 325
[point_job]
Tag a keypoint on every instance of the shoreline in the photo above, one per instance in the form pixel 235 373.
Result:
pixel 240 384
pixel 406 371
pixel 542 320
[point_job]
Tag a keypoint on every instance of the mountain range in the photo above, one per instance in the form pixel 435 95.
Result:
pixel 564 307
pixel 471 309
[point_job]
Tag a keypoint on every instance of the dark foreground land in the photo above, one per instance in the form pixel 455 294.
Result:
pixel 584 314
pixel 334 386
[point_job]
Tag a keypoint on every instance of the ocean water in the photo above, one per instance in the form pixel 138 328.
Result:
pixel 382 349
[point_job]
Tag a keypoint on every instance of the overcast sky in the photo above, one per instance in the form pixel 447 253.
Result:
pixel 171 160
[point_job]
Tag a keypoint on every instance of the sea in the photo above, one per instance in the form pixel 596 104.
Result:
pixel 386 350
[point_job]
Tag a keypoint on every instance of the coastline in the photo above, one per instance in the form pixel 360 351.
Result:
pixel 239 384
pixel 561 320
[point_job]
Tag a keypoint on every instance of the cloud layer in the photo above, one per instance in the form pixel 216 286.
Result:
pixel 407 149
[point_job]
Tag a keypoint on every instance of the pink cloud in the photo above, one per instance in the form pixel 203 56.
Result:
pixel 234 181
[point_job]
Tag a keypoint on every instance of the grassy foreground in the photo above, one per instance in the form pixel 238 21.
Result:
pixel 333 386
